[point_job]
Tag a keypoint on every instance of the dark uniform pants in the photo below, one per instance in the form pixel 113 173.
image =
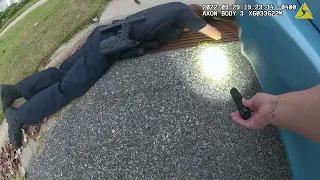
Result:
pixel 47 91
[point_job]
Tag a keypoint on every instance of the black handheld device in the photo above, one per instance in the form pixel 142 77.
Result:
pixel 245 112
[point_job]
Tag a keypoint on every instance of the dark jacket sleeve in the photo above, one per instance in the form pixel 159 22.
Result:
pixel 188 19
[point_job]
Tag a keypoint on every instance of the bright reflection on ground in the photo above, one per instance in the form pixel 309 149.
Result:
pixel 211 70
pixel 214 62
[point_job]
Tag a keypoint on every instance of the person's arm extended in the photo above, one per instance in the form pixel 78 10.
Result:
pixel 297 111
pixel 190 21
pixel 211 32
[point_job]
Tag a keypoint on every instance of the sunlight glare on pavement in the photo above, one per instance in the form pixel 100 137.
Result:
pixel 214 62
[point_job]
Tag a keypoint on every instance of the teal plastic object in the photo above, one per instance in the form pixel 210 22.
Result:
pixel 285 55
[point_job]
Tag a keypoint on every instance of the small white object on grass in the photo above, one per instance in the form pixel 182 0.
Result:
pixel 95 20
pixel 24 136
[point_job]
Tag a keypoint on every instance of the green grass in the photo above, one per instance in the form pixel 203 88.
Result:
pixel 25 46
pixel 25 7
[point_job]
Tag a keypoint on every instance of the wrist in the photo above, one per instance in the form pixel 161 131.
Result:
pixel 272 108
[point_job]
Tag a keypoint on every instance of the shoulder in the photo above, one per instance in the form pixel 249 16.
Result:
pixel 174 5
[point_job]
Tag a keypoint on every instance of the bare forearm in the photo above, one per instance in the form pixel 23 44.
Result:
pixel 298 111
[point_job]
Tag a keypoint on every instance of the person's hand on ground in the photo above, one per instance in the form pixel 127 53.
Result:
pixel 218 35
pixel 210 31
pixel 260 105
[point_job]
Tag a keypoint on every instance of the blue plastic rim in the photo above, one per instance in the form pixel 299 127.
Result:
pixel 285 55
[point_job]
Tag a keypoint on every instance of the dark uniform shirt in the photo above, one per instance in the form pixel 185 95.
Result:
pixel 164 19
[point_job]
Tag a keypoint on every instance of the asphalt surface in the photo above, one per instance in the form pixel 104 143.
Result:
pixel 163 116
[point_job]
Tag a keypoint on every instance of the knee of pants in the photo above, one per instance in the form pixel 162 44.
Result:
pixel 72 90
pixel 56 71
pixel 64 69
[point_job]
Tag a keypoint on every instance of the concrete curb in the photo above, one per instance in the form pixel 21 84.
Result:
pixel 3 133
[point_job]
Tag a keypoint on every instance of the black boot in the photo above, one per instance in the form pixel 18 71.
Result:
pixel 8 94
pixel 14 127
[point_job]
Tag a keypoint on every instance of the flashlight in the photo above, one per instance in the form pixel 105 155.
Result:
pixel 245 112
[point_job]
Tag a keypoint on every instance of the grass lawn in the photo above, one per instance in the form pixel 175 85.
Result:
pixel 25 46
pixel 25 7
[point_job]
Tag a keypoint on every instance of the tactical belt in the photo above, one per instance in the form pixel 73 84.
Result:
pixel 122 41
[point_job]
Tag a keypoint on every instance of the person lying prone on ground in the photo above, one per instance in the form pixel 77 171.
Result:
pixel 49 90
